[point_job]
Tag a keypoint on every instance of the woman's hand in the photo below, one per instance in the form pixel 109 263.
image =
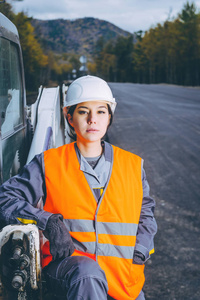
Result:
pixel 61 244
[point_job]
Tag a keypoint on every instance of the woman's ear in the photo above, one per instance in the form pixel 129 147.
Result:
pixel 65 111
pixel 69 119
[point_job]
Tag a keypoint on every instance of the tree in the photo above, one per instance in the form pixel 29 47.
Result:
pixel 34 59
pixel 6 9
pixel 170 52
pixel 189 28
pixel 98 55
pixel 124 59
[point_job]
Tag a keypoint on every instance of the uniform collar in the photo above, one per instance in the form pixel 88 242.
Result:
pixel 96 172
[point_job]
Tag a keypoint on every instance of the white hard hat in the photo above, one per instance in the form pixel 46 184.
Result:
pixel 89 88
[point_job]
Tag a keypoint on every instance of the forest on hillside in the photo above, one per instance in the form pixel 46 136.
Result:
pixel 167 53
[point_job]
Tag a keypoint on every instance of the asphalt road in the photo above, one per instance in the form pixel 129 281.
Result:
pixel 161 123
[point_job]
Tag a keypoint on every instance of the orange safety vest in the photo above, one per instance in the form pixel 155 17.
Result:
pixel 106 231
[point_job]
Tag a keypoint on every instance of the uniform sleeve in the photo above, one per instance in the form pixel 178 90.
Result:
pixel 147 227
pixel 20 195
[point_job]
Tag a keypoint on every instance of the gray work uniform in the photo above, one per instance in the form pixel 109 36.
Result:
pixel 19 197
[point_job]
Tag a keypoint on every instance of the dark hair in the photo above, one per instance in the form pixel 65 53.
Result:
pixel 72 133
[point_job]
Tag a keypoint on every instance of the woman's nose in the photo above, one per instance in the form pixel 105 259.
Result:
pixel 91 118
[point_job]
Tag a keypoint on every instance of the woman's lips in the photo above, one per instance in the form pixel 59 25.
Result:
pixel 92 130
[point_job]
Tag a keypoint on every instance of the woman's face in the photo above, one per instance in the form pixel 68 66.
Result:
pixel 90 121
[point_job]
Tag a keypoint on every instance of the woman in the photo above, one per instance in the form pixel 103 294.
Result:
pixel 97 214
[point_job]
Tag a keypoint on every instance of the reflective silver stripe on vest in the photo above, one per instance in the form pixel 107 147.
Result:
pixel 117 228
pixel 87 247
pixel 103 227
pixel 105 249
pixel 79 225
pixel 75 225
pixel 110 228
pixel 116 251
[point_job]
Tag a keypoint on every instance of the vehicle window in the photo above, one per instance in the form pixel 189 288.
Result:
pixel 11 104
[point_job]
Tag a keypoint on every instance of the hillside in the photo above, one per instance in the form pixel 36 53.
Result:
pixel 78 36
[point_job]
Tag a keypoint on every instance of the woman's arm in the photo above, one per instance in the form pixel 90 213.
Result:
pixel 20 194
pixel 147 227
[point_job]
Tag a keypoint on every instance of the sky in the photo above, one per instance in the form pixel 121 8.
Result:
pixel 130 15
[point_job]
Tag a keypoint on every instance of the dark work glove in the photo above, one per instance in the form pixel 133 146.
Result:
pixel 138 258
pixel 61 244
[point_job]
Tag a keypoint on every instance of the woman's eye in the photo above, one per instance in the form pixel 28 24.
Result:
pixel 82 112
pixel 101 112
